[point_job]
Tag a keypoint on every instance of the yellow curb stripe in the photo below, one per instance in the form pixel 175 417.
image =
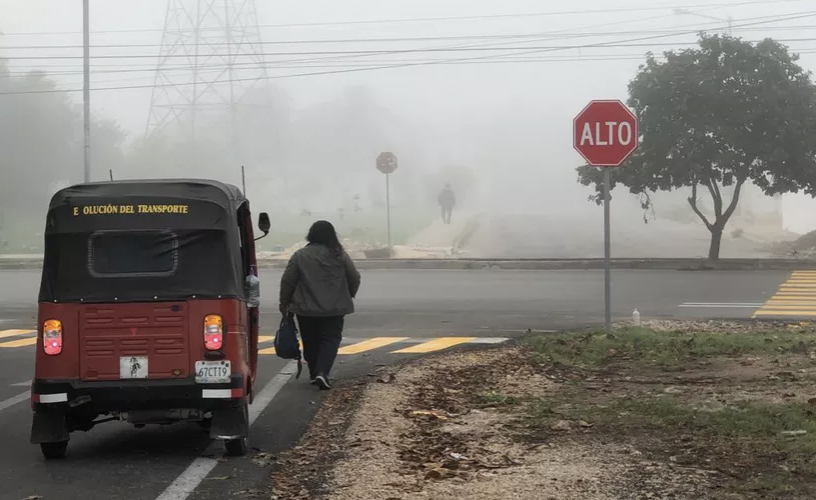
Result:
pixel 435 345
pixel 370 344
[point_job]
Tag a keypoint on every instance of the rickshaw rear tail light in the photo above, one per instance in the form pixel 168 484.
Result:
pixel 213 332
pixel 52 337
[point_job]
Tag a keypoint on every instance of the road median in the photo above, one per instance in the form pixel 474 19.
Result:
pixel 704 410
pixel 35 262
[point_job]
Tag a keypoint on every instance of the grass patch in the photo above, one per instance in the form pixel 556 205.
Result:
pixel 746 432
pixel 494 399
pixel 748 419
pixel 666 349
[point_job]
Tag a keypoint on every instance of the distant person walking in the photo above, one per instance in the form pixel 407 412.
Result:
pixel 447 200
pixel 319 287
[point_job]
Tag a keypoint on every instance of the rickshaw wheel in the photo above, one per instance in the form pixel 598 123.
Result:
pixel 238 447
pixel 54 450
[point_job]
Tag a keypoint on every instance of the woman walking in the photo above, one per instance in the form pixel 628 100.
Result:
pixel 318 286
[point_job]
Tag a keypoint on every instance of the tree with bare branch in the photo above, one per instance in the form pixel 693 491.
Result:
pixel 718 116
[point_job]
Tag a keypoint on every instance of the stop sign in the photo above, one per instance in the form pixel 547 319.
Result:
pixel 605 133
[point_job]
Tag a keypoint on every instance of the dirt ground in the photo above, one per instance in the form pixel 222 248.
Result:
pixel 668 411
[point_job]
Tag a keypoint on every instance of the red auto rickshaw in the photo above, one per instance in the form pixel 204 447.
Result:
pixel 148 310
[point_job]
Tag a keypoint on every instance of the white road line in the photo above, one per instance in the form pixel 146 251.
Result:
pixel 8 403
pixel 189 480
pixel 21 384
pixel 489 340
pixel 268 393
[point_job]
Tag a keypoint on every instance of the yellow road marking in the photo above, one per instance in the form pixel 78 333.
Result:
pixel 360 347
pixel 792 306
pixel 19 343
pixel 370 344
pixel 779 312
pixel 794 297
pixel 271 350
pixel 435 345
pixel 4 334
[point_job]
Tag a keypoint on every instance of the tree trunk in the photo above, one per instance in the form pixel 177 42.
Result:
pixel 716 242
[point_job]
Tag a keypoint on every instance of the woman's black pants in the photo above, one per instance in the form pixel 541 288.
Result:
pixel 321 339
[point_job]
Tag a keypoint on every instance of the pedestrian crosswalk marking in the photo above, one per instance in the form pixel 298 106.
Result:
pixel 796 297
pixel 270 351
pixel 23 338
pixel 20 343
pixel 370 344
pixel 5 334
pixel 435 345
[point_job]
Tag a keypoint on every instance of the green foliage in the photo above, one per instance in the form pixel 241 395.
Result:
pixel 41 136
pixel 666 349
pixel 722 114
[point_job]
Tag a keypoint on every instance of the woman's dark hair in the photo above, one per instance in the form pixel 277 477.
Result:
pixel 322 233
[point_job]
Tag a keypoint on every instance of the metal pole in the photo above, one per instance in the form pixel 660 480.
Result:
pixel 243 179
pixel 388 207
pixel 86 89
pixel 607 254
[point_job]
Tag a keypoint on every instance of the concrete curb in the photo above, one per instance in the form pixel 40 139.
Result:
pixel 35 262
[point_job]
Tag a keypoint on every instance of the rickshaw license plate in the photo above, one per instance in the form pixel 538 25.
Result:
pixel 213 372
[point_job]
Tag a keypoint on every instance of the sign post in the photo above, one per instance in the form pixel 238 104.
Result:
pixel 387 164
pixel 605 133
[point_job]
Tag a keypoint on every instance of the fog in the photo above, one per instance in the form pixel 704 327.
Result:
pixel 314 108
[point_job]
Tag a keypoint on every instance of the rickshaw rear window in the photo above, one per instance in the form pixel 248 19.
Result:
pixel 143 253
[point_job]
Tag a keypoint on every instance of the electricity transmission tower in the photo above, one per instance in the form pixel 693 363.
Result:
pixel 210 60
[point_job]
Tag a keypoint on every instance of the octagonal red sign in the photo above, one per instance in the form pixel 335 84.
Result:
pixel 605 133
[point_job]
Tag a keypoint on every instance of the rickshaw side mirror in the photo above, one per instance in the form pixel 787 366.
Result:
pixel 264 224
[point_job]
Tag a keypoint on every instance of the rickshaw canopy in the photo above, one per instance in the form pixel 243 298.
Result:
pixel 145 240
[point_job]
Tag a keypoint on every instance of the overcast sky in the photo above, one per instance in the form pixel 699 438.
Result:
pixel 544 89
pixel 559 88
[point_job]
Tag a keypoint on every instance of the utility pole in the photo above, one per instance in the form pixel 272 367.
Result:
pixel 86 89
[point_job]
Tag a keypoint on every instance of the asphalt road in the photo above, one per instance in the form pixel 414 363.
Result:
pixel 397 310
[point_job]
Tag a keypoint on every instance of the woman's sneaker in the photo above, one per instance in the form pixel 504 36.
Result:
pixel 322 382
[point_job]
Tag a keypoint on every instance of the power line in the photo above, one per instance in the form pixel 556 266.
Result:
pixel 308 62
pixel 564 33
pixel 394 66
pixel 373 64
pixel 754 22
pixel 621 10
pixel 403 40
